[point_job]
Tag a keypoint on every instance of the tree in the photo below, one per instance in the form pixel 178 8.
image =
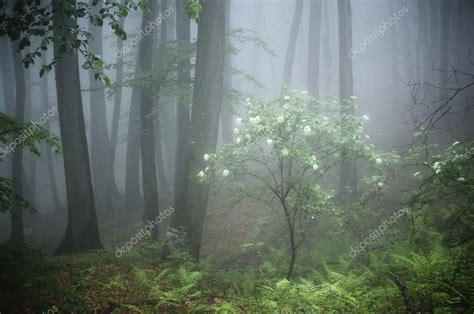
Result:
pixel 147 141
pixel 183 37
pixel 82 231
pixel 17 238
pixel 348 171
pixel 293 36
pixel 49 152
pixel 110 186
pixel 133 199
pixel 99 134
pixel 204 126
pixel 284 149
pixel 314 40
pixel 227 108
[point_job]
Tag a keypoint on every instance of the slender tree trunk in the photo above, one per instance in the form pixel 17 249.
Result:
pixel 82 232
pixel 16 238
pixel 111 191
pixel 327 51
pixel 314 41
pixel 49 153
pixel 147 142
pixel 133 199
pixel 160 163
pixel 348 172
pixel 445 41
pixel 422 34
pixel 204 127
pixel 30 159
pixel 227 108
pixel 8 90
pixel 182 113
pixel 293 36
pixel 99 133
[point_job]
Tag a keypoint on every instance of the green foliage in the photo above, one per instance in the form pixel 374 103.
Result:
pixel 32 21
pixel 18 135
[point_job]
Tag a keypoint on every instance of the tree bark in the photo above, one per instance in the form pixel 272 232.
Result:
pixel 99 134
pixel 17 238
pixel 133 198
pixel 49 153
pixel 293 36
pixel 182 114
pixel 227 108
pixel 203 131
pixel 111 191
pixel 348 171
pixel 82 231
pixel 314 41
pixel 147 142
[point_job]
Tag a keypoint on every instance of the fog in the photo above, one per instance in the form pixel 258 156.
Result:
pixel 236 156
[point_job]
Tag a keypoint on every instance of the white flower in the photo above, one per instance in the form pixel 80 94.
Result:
pixel 315 167
pixel 307 130
pixel 367 136
pixel 461 179
pixel 225 173
pixel 247 100
pixel 378 161
pixel 365 117
pixel 280 119
pixel 269 141
pixel 287 98
pixel 255 120
pixel 236 131
pixel 200 174
pixel 455 143
pixel 238 121
pixel 438 171
pixel 436 165
pixel 380 184
pixel 206 157
pixel 238 140
pixel 353 97
pixel 312 217
pixel 325 118
pixel 416 173
pixel 284 152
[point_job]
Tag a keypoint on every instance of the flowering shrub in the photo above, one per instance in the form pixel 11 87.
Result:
pixel 287 146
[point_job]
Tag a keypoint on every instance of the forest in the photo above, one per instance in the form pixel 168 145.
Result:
pixel 236 156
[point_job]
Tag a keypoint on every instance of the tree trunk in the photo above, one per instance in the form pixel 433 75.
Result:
pixel 17 238
pixel 204 127
pixel 82 232
pixel 30 158
pixel 49 152
pixel 99 134
pixel 111 191
pixel 227 108
pixel 182 114
pixel 160 156
pixel 290 53
pixel 8 91
pixel 314 40
pixel 147 142
pixel 445 42
pixel 348 172
pixel 133 199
